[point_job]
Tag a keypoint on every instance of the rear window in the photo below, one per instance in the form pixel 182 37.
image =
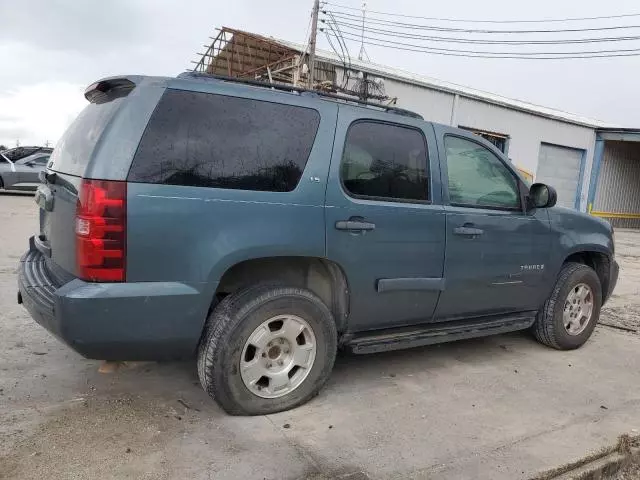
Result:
pixel 205 140
pixel 74 150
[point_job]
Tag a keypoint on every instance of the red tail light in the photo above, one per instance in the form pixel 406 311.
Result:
pixel 101 231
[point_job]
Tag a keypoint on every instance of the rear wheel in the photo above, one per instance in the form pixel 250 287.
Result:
pixel 1 184
pixel 570 314
pixel 267 349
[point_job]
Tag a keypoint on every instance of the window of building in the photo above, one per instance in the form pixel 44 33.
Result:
pixel 383 161
pixel 477 177
pixel 499 140
pixel 207 140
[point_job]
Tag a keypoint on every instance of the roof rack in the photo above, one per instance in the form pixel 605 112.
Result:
pixel 307 91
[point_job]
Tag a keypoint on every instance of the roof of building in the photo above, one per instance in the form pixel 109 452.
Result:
pixel 435 84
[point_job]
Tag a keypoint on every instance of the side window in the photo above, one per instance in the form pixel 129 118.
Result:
pixel 205 140
pixel 383 161
pixel 477 177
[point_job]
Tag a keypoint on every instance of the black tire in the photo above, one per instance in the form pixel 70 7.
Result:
pixel 230 325
pixel 549 326
pixel 1 184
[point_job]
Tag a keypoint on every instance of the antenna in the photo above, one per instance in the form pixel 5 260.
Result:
pixel 363 53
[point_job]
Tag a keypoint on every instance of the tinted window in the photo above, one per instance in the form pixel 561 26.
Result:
pixel 477 177
pixel 74 150
pixel 385 162
pixel 206 140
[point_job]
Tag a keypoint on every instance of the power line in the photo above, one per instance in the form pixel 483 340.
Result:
pixel 416 36
pixel 485 52
pixel 504 55
pixel 351 17
pixel 463 20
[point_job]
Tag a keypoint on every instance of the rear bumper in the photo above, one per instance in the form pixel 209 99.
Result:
pixel 114 321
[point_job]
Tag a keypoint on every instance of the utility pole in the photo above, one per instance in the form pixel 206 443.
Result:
pixel 312 41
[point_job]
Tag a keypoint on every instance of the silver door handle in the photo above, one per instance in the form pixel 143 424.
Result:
pixel 355 225
pixel 468 231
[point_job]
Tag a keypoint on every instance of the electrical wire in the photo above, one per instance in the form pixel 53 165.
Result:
pixel 340 38
pixel 504 55
pixel 416 36
pixel 340 44
pixel 351 17
pixel 485 52
pixel 346 72
pixel 463 20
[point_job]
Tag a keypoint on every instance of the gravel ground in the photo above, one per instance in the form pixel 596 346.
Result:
pixel 503 407
pixel 632 472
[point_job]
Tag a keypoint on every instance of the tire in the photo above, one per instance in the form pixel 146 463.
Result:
pixel 549 327
pixel 225 343
pixel 1 184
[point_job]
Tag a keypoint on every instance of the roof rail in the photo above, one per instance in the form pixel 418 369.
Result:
pixel 307 91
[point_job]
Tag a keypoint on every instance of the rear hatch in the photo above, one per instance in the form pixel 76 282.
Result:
pixel 70 204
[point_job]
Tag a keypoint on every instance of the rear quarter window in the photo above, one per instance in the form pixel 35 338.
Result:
pixel 207 140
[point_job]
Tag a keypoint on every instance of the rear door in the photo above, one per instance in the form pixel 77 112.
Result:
pixel 384 222
pixel 496 250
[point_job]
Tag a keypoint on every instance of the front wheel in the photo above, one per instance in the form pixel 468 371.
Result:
pixel 570 314
pixel 267 349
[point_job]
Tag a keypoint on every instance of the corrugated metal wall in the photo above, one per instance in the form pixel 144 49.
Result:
pixel 618 188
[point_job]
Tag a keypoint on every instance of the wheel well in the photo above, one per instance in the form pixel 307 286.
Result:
pixel 323 277
pixel 596 260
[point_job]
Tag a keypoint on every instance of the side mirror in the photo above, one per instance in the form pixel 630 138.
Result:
pixel 542 196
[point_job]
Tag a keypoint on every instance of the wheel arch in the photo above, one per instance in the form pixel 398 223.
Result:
pixel 321 276
pixel 596 259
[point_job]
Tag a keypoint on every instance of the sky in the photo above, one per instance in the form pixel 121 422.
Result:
pixel 50 50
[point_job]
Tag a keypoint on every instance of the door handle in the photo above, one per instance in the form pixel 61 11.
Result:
pixel 468 230
pixel 355 224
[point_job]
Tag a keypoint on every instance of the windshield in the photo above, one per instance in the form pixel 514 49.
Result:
pixel 15 154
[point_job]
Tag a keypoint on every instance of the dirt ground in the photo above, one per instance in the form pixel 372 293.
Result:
pixel 503 407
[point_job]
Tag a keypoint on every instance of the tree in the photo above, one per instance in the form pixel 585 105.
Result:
pixel 3 148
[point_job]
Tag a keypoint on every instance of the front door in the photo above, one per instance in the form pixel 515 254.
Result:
pixel 496 250
pixel 385 225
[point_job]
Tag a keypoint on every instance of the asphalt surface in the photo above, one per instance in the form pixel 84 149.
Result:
pixel 503 407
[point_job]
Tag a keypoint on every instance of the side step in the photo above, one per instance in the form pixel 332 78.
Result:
pixel 428 334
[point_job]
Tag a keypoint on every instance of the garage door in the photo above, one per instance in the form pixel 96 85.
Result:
pixel 560 168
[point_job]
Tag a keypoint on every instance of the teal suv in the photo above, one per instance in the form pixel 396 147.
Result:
pixel 260 228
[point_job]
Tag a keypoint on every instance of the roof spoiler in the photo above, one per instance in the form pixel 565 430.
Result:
pixel 108 89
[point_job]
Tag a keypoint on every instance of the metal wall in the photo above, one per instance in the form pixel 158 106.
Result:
pixel 618 189
pixel 526 131
pixel 560 167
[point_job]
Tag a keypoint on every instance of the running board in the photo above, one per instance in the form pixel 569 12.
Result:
pixel 418 336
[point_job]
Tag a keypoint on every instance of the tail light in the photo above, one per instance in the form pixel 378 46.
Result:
pixel 101 231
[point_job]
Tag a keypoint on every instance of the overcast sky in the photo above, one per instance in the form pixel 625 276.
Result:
pixel 51 49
